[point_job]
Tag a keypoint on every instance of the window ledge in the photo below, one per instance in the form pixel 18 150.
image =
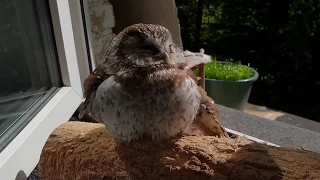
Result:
pixel 23 153
pixel 275 132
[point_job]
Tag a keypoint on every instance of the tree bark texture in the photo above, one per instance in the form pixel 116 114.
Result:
pixel 85 151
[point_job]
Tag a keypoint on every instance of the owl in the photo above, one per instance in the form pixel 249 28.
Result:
pixel 145 88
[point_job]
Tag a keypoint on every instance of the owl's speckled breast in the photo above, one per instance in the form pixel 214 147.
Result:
pixel 160 111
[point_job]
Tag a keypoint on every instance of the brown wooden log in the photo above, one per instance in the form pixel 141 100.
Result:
pixel 85 151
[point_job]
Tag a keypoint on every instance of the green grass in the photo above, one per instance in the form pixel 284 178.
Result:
pixel 229 71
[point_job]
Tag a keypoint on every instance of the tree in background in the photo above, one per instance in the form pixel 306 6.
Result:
pixel 279 38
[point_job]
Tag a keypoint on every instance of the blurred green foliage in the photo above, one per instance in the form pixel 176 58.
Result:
pixel 281 39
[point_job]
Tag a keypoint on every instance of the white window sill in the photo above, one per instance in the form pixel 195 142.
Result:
pixel 23 153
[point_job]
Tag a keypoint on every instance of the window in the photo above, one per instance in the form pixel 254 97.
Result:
pixel 28 64
pixel 43 62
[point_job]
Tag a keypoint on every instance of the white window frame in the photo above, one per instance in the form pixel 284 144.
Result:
pixel 23 152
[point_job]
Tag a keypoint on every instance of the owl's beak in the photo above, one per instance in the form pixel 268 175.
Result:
pixel 167 59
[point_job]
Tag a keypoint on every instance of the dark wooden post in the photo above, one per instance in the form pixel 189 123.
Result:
pixel 202 76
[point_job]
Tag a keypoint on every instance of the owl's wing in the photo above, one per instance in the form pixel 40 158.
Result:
pixel 91 85
pixel 205 120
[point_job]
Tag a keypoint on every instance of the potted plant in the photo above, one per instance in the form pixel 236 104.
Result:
pixel 229 83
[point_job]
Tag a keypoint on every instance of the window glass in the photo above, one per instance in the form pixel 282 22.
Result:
pixel 29 73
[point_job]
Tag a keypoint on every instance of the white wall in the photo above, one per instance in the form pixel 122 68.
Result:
pixel 102 21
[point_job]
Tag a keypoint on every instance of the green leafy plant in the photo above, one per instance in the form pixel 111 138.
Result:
pixel 227 71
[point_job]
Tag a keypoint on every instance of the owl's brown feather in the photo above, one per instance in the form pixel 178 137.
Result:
pixel 145 87
pixel 206 119
pixel 90 86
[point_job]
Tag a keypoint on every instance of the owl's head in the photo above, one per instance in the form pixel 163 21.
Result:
pixel 145 45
